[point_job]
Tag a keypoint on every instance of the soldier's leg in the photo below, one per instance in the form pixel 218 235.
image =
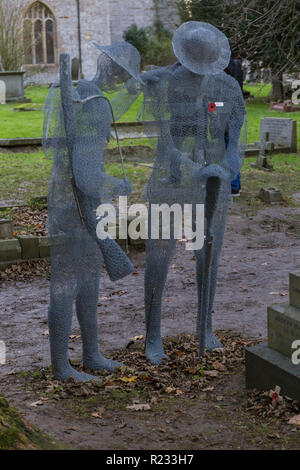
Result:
pixel 211 342
pixel 158 254
pixel 86 307
pixel 62 295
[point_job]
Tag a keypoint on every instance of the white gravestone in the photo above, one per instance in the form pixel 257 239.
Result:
pixel 2 92
pixel 2 353
pixel 282 132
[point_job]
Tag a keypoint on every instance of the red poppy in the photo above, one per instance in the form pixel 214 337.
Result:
pixel 212 107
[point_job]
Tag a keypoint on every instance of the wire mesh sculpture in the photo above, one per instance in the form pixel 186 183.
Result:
pixel 192 104
pixel 77 125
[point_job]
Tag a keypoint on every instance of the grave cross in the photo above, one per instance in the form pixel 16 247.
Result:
pixel 262 162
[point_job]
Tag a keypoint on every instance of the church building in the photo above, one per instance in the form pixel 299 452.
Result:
pixel 53 27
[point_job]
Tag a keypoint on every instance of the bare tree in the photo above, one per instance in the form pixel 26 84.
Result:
pixel 265 32
pixel 11 35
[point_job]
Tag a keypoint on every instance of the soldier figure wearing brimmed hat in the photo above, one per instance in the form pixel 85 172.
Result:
pixel 193 104
pixel 77 126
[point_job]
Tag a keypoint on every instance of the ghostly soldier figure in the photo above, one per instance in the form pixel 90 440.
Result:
pixel 77 125
pixel 193 104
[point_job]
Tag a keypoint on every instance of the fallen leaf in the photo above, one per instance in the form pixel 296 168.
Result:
pixel 279 293
pixel 37 403
pixel 211 373
pixel 218 366
pixel 133 340
pixel 98 413
pixel 154 400
pixel 190 370
pixel 137 338
pixel 128 379
pixel 139 407
pixel 178 353
pixel 295 420
pixel 170 389
pixel 163 430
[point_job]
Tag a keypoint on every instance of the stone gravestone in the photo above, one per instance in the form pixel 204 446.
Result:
pixel 6 229
pixel 75 69
pixel 282 132
pixel 14 82
pixel 277 362
pixel 2 92
pixel 262 162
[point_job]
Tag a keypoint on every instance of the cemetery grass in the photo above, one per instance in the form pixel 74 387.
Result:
pixel 25 175
pixel 16 124
pixel 16 433
pixel 30 123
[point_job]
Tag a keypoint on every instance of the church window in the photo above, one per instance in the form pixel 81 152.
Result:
pixel 39 35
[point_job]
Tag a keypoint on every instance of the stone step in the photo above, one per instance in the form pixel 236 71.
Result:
pixel 44 247
pixel 10 250
pixel 283 327
pixel 30 246
pixel 266 368
pixel 6 229
pixel 295 289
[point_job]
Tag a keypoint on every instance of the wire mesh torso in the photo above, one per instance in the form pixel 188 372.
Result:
pixel 192 114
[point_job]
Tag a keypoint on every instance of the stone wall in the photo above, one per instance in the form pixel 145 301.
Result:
pixel 167 12
pixel 141 12
pixel 95 26
pixel 124 13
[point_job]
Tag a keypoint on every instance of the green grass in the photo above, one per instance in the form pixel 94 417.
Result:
pixel 24 175
pixel 285 177
pixel 16 433
pixel 23 124
pixel 258 108
pixel 30 123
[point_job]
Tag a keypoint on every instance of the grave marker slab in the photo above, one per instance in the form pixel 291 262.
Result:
pixel 283 328
pixel 2 92
pixel 295 289
pixel 274 363
pixel 6 229
pixel 282 132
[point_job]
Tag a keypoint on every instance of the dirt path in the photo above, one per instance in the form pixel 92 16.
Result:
pixel 259 252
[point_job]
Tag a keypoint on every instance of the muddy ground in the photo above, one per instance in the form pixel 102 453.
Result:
pixel 261 248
